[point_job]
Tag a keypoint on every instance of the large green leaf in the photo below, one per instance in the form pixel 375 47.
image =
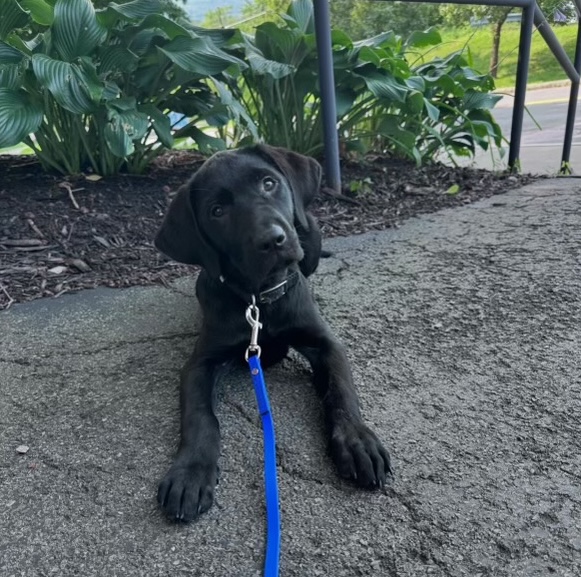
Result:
pixel 339 38
pixel 141 42
pixel 197 55
pixel 433 111
pixel 75 29
pixel 11 76
pixel 12 16
pixel 68 84
pixel 235 107
pixel 367 54
pixel 137 9
pixel 404 139
pixel 263 66
pixel 416 82
pixel 415 102
pixel 125 124
pixel 423 38
pixel 485 116
pixel 91 79
pixel 473 100
pixel 110 91
pixel 344 99
pixel 280 44
pixel 191 104
pixel 9 54
pixel 385 86
pixel 160 122
pixel 127 104
pixel 129 11
pixel 117 58
pixel 19 116
pixel 482 129
pixel 147 77
pixel 40 11
pixel 447 86
pixel 219 36
pixel 170 28
pixel 301 13
pixel 145 14
pixel 12 66
pixel 26 46
pixel 207 144
pixel 383 39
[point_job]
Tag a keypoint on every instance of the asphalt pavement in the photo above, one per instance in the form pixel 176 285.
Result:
pixel 464 331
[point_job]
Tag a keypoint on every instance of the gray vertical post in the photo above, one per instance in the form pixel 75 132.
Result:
pixel 572 110
pixel 327 83
pixel 520 92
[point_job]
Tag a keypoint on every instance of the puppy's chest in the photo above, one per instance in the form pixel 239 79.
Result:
pixel 279 316
pixel 276 326
pixel 228 326
pixel 268 337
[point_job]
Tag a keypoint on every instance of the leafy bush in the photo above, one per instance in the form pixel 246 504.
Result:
pixel 384 102
pixel 279 86
pixel 95 87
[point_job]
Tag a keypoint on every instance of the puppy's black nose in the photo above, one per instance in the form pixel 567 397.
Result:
pixel 273 239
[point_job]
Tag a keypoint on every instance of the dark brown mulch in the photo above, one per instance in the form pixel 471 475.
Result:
pixel 59 235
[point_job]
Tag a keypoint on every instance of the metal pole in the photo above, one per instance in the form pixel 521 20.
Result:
pixel 572 110
pixel 520 92
pixel 327 83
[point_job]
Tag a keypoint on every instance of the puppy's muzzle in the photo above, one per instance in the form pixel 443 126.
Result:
pixel 273 239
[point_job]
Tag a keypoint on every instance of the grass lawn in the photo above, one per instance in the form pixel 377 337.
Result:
pixel 18 149
pixel 543 68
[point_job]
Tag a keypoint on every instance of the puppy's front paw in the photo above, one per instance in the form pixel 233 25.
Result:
pixel 359 455
pixel 188 490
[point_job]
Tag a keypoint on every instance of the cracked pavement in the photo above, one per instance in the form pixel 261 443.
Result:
pixel 463 328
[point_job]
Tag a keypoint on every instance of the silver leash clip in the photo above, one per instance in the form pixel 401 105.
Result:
pixel 252 317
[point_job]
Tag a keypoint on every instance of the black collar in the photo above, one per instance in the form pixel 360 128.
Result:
pixel 269 295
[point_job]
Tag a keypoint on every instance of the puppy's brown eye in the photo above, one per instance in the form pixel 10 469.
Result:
pixel 217 211
pixel 268 184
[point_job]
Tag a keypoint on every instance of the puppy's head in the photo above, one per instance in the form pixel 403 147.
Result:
pixel 238 215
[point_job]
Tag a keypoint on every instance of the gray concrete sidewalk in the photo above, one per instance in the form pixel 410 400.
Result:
pixel 464 329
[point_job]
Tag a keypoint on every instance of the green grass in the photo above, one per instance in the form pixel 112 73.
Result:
pixel 18 149
pixel 543 66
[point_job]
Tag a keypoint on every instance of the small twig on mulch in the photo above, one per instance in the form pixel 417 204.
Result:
pixel 10 299
pixel 22 242
pixel 35 228
pixel 338 196
pixel 70 190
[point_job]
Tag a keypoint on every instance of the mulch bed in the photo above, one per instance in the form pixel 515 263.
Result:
pixel 59 235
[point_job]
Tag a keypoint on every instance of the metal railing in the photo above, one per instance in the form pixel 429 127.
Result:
pixel 531 14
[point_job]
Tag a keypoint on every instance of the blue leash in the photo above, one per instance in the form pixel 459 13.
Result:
pixel 271 563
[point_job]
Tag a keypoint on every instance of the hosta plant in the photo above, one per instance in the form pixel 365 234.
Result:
pixel 94 89
pixel 385 101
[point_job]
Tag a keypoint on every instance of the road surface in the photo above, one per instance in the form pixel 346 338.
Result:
pixel 542 143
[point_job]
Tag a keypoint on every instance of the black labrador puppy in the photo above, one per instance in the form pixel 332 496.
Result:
pixel 242 218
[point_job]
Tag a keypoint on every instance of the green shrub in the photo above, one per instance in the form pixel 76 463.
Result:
pixel 384 103
pixel 95 87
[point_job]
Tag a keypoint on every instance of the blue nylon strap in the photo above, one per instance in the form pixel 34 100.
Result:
pixel 271 564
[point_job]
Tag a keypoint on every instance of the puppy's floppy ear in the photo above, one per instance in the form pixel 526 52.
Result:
pixel 302 172
pixel 180 237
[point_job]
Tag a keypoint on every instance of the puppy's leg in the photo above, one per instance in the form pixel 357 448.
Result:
pixel 188 487
pixel 356 450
